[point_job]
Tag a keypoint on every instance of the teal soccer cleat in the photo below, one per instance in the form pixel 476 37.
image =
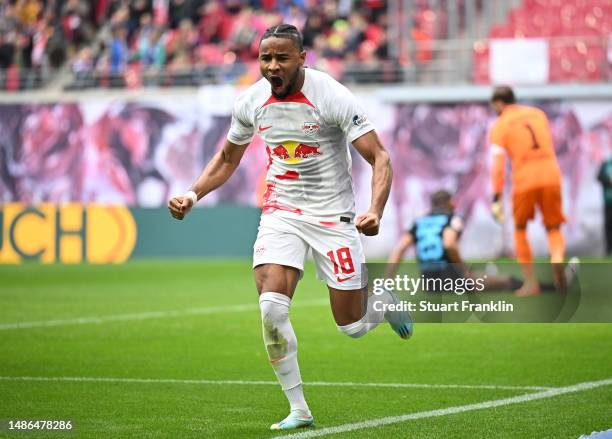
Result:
pixel 400 320
pixel 296 419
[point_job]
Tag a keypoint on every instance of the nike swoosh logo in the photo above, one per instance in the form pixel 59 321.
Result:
pixel 342 279
pixel 262 129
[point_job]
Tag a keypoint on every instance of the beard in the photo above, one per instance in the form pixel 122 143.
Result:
pixel 291 83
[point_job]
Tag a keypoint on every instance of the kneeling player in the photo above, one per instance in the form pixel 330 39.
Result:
pixel 436 239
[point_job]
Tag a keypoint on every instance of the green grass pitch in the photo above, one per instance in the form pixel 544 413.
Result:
pixel 197 323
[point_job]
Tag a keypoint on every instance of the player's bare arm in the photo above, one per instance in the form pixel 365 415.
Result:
pixel 450 241
pixel 372 150
pixel 217 171
pixel 406 241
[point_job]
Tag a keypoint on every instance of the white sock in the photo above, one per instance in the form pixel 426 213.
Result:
pixel 296 399
pixel 281 345
pixel 373 317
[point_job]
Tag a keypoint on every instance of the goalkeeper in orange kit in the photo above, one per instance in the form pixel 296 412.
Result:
pixel 522 134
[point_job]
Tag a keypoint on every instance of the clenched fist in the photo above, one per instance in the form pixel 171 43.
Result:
pixel 368 223
pixel 180 206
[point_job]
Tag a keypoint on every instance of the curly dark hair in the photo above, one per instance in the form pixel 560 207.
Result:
pixel 288 31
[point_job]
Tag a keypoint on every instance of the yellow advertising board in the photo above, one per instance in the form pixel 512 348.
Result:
pixel 70 233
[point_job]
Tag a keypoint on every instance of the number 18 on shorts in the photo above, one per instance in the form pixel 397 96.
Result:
pixel 336 249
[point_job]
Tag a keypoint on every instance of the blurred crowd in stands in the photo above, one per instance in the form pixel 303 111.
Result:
pixel 36 35
pixel 119 43
pixel 123 42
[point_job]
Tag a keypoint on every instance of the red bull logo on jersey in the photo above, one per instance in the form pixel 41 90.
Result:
pixel 293 152
pixel 281 152
pixel 305 151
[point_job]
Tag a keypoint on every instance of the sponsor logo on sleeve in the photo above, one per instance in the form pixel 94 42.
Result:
pixel 359 119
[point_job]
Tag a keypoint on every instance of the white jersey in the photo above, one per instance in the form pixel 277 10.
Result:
pixel 306 133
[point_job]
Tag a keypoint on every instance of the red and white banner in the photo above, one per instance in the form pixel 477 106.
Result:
pixel 139 153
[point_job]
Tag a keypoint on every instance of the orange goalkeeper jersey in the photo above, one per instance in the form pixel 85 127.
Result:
pixel 524 134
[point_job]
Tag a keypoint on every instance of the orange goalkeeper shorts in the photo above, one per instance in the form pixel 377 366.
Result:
pixel 548 201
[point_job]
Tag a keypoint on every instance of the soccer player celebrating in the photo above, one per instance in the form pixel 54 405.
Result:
pixel 523 134
pixel 304 118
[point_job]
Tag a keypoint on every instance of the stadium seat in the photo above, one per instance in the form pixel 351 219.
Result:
pixel 584 25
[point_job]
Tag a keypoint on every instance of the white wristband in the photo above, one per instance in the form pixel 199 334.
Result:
pixel 193 196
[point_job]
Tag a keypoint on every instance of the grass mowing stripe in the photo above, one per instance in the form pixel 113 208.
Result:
pixel 272 383
pixel 147 315
pixel 450 410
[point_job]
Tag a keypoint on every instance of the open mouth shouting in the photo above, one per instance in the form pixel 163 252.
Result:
pixel 277 84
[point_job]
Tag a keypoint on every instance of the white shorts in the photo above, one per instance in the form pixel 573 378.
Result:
pixel 336 249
